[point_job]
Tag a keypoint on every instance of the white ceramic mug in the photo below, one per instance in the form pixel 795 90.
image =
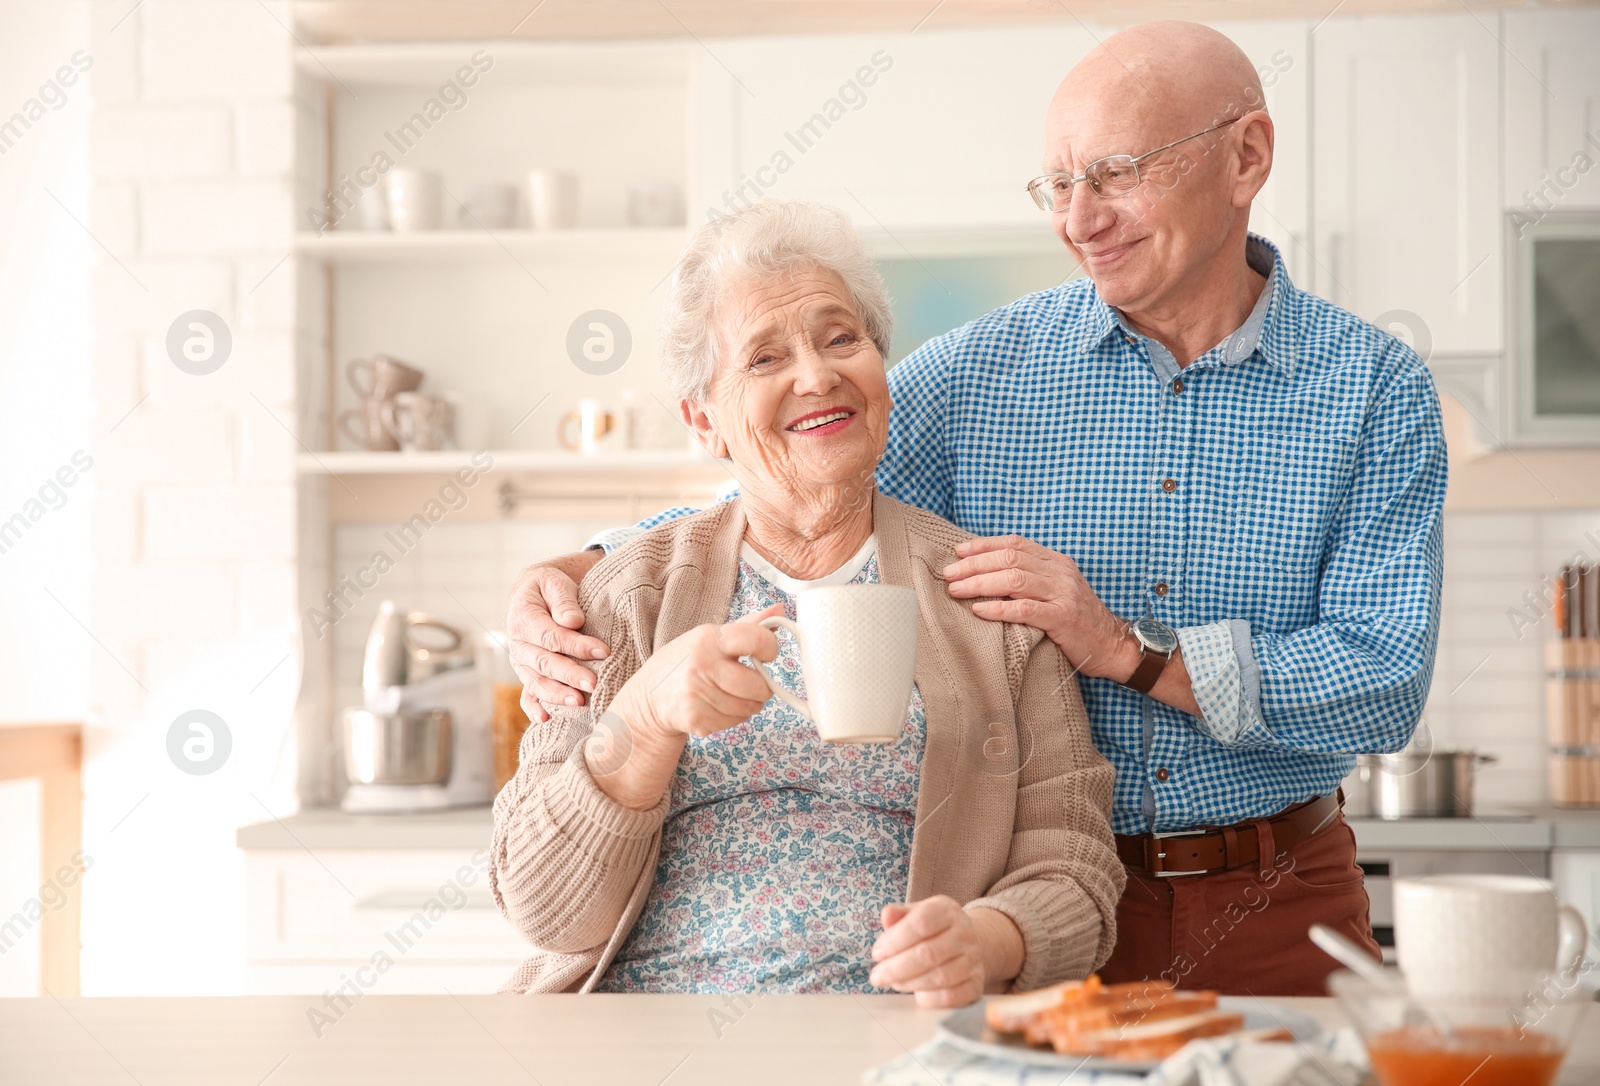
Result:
pixel 858 654
pixel 596 428
pixel 413 199
pixel 420 421
pixel 1483 936
pixel 490 206
pixel 655 203
pixel 552 200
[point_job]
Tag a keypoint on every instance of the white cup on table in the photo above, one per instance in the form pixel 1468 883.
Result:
pixel 1483 936
pixel 858 654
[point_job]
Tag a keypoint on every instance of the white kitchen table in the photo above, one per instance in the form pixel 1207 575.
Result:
pixel 559 1040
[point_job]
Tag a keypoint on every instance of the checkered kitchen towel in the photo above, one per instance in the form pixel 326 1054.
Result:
pixel 1333 1059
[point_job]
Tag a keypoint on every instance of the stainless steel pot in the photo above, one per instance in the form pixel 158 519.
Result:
pixel 395 748
pixel 1414 784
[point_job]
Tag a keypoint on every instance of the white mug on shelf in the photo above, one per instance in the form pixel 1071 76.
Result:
pixel 420 421
pixel 372 208
pixel 1488 936
pixel 413 199
pixel 858 654
pixel 489 206
pixel 596 427
pixel 552 200
pixel 655 203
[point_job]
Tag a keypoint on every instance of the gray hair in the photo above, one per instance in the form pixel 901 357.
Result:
pixel 766 239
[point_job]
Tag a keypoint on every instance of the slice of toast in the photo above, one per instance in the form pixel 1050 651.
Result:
pixel 1012 1013
pixel 1152 1041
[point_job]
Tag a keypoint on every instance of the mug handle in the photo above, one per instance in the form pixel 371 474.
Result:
pixel 386 414
pixel 348 419
pixel 360 365
pixel 1574 940
pixel 778 690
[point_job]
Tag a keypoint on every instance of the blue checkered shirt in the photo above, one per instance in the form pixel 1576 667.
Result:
pixel 1277 501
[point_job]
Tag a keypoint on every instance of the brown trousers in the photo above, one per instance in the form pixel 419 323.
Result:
pixel 1243 932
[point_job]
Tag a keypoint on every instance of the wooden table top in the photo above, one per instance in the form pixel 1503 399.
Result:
pixel 559 1040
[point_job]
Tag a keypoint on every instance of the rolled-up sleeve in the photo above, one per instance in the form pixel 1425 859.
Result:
pixel 565 857
pixel 1356 680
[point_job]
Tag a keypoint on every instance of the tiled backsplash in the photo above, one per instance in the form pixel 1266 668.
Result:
pixel 460 573
pixel 1488 686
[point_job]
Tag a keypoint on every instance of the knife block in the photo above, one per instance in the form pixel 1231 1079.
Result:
pixel 1572 720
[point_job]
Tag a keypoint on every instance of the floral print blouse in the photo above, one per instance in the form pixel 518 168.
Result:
pixel 779 850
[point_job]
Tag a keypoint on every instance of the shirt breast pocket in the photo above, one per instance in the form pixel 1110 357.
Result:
pixel 1293 482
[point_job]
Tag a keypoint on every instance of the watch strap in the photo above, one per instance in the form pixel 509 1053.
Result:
pixel 1144 677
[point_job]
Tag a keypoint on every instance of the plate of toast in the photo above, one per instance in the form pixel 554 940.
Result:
pixel 1112 1027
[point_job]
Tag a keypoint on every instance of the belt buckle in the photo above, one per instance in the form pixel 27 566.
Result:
pixel 1162 855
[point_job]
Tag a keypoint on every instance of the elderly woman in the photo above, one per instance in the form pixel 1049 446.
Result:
pixel 688 833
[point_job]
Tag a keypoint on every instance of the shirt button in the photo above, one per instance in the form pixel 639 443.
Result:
pixel 1127 337
pixel 1161 774
pixel 1177 385
pixel 1161 588
pixel 1169 485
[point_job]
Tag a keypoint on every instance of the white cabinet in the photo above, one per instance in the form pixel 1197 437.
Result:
pixel 1552 109
pixel 1281 53
pixel 385 921
pixel 921 129
pixel 1406 174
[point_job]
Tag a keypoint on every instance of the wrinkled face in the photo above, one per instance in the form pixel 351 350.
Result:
pixel 1140 247
pixel 800 399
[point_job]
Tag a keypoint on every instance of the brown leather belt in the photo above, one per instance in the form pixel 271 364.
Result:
pixel 1222 848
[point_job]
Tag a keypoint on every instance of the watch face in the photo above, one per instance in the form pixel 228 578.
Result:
pixel 1156 636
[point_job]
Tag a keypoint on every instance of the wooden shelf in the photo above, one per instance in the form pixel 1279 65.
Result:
pixel 382 246
pixel 529 461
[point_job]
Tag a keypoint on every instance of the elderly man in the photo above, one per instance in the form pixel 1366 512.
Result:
pixel 1219 496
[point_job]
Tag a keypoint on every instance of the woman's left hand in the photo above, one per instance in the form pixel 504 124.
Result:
pixel 944 953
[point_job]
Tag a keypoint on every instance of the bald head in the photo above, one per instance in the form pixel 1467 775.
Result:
pixel 1188 213
pixel 1171 74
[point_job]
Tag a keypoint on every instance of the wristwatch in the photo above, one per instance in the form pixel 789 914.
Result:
pixel 1158 642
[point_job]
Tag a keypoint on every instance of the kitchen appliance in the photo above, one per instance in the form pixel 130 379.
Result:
pixel 1425 783
pixel 423 739
pixel 405 647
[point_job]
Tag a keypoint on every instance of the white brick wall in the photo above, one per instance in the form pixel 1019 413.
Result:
pixel 191 160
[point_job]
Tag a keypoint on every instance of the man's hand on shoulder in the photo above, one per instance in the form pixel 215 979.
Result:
pixel 542 624
pixel 1045 590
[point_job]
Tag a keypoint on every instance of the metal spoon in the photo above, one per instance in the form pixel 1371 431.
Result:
pixel 1356 960
pixel 1391 981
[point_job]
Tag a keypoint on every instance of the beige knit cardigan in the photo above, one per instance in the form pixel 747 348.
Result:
pixel 572 869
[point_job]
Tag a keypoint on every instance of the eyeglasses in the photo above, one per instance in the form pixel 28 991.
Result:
pixel 1112 176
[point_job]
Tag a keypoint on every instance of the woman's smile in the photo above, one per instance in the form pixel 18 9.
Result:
pixel 822 422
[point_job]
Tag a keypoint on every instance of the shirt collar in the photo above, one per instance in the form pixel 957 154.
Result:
pixel 1268 328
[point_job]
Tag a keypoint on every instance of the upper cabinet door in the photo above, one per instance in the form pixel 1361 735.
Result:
pixel 1405 176
pixel 1552 79
pixel 923 129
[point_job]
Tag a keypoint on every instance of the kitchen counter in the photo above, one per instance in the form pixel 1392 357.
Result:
pixel 318 828
pixel 469 828
pixel 490 1040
